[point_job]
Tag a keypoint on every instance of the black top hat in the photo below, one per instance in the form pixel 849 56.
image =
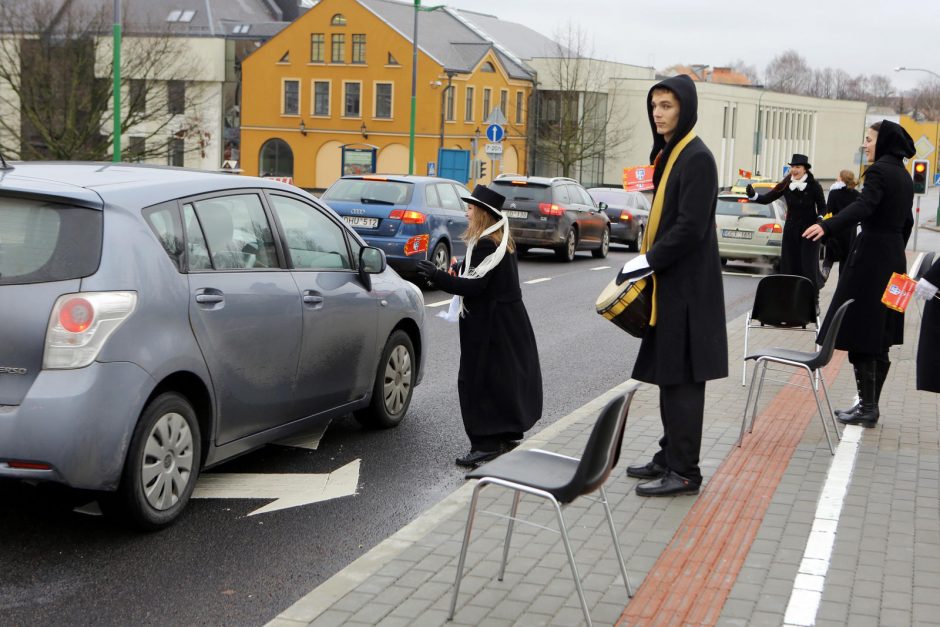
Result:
pixel 799 159
pixel 486 198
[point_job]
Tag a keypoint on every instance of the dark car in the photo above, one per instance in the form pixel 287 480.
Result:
pixel 554 213
pixel 628 213
pixel 411 218
pixel 158 321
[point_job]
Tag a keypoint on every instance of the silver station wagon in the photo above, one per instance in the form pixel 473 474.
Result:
pixel 158 321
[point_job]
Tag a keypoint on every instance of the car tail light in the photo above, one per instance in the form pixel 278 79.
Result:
pixel 19 465
pixel 772 227
pixel 417 244
pixel 626 216
pixel 80 324
pixel 408 217
pixel 549 209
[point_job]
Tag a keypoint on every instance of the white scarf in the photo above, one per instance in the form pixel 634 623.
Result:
pixel 456 309
pixel 837 185
pixel 798 184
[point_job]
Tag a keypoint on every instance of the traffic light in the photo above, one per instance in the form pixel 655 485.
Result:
pixel 919 173
pixel 480 168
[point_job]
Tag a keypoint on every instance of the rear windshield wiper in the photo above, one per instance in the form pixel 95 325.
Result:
pixel 375 201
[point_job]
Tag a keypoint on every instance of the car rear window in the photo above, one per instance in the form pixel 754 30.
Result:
pixel 536 193
pixel 740 207
pixel 41 242
pixel 370 191
pixel 618 199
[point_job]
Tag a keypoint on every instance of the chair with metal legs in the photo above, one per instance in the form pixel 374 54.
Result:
pixel 559 479
pixel 812 363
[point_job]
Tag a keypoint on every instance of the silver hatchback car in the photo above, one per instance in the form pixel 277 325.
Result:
pixel 158 321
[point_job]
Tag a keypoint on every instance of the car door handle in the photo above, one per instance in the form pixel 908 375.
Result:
pixel 209 299
pixel 313 299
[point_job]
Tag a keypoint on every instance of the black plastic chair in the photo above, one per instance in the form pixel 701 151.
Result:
pixel 812 363
pixel 559 479
pixel 782 301
pixel 920 266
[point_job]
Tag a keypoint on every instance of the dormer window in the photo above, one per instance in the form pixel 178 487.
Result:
pixel 241 29
pixel 338 20
pixel 180 16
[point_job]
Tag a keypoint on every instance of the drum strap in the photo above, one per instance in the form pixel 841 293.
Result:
pixel 656 211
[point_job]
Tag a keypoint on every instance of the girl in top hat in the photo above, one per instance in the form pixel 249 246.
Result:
pixel 500 381
pixel 805 204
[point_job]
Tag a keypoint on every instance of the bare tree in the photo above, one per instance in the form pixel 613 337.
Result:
pixel 924 102
pixel 788 73
pixel 881 91
pixel 56 71
pixel 580 121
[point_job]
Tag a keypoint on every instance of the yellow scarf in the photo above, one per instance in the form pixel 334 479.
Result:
pixel 656 212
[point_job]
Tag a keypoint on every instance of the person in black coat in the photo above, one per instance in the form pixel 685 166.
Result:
pixel 869 328
pixel 499 381
pixel 841 195
pixel 805 204
pixel 686 343
pixel 928 349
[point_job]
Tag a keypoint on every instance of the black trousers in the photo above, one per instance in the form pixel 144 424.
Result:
pixel 492 442
pixel 682 410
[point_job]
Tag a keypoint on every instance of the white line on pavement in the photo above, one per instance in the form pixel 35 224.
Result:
pixel 811 577
pixel 751 276
pixel 439 303
pixel 601 268
pixel 542 280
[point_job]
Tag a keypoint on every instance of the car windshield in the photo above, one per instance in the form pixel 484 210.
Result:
pixel 740 207
pixel 611 197
pixel 370 191
pixel 537 193
pixel 43 242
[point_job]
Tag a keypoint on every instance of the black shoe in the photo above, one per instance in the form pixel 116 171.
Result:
pixel 652 470
pixel 508 445
pixel 864 417
pixel 846 412
pixel 475 458
pixel 670 484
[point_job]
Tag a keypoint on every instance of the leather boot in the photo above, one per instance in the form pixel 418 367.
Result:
pixel 866 376
pixel 841 414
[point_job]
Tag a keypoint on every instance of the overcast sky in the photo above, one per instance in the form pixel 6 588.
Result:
pixel 860 37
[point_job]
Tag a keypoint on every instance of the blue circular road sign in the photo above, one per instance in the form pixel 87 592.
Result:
pixel 495 133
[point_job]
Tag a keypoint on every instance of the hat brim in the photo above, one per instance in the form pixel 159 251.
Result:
pixel 479 203
pixel 805 165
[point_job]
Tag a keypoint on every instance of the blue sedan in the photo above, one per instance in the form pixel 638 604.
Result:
pixel 411 218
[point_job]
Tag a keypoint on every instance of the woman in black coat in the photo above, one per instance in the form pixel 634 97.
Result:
pixel 869 328
pixel 500 381
pixel 928 350
pixel 841 195
pixel 805 204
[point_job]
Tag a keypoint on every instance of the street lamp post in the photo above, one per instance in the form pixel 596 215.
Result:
pixel 936 148
pixel 414 84
pixel 116 87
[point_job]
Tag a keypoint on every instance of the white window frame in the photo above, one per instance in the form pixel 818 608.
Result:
pixel 313 97
pixel 343 110
pixel 520 102
pixel 375 101
pixel 284 82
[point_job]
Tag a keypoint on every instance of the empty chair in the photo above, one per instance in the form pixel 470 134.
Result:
pixel 782 301
pixel 920 266
pixel 559 479
pixel 812 363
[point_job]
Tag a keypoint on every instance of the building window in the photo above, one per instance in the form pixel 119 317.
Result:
pixel 174 153
pixel 137 96
pixel 291 101
pixel 358 48
pixel 277 159
pixel 486 102
pixel 383 101
pixel 504 101
pixel 175 96
pixel 285 58
pixel 449 103
pixel 317 42
pixel 392 60
pixel 136 149
pixel 338 52
pixel 468 111
pixel 321 98
pixel 519 101
pixel 351 99
pixel 487 67
pixel 338 20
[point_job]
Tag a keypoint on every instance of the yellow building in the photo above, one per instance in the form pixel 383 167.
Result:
pixel 341 75
pixel 926 136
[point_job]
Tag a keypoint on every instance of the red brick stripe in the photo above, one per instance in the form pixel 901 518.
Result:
pixel 691 580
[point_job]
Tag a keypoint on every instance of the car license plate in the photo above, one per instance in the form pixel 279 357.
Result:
pixel 730 234
pixel 518 214
pixel 365 223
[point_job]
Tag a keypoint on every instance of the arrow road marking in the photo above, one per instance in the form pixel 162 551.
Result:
pixel 309 440
pixel 289 490
pixel 542 280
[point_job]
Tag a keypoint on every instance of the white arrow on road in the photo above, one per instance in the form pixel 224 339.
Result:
pixel 290 490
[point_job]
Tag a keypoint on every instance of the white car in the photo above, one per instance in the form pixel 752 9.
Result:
pixel 748 231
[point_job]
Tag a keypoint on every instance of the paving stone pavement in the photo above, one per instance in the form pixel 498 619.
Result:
pixel 885 562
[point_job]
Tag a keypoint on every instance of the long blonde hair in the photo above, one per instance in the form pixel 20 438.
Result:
pixel 848 177
pixel 480 220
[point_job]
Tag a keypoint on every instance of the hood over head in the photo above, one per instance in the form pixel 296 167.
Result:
pixel 684 89
pixel 893 140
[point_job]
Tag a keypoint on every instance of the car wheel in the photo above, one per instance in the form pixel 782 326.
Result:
pixel 440 257
pixel 634 246
pixel 522 250
pixel 394 383
pixel 567 250
pixel 724 262
pixel 162 464
pixel 601 252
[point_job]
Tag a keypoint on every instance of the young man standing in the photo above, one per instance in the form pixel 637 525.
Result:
pixel 686 343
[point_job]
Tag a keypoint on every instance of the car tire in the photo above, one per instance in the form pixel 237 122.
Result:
pixel 566 251
pixel 162 465
pixel 634 246
pixel 440 257
pixel 601 253
pixel 522 250
pixel 393 386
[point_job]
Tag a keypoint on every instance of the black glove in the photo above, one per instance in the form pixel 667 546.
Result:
pixel 427 269
pixel 749 190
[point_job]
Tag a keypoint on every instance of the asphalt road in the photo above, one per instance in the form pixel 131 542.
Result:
pixel 218 565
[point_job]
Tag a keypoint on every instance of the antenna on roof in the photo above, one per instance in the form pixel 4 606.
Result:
pixel 3 163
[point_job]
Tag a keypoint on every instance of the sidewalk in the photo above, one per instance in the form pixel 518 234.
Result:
pixel 768 525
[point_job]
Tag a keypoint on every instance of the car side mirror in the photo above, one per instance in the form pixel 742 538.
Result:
pixel 372 260
pixel 602 205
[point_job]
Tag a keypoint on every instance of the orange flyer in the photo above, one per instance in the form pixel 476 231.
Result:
pixel 639 178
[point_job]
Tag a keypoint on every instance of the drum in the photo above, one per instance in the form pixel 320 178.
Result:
pixel 629 305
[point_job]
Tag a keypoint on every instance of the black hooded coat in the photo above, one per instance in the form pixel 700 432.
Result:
pixel 884 210
pixel 689 343
pixel 928 350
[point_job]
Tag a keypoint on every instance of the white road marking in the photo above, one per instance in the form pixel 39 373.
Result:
pixel 289 490
pixel 811 577
pixel 439 303
pixel 601 268
pixel 309 440
pixel 752 276
pixel 542 280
